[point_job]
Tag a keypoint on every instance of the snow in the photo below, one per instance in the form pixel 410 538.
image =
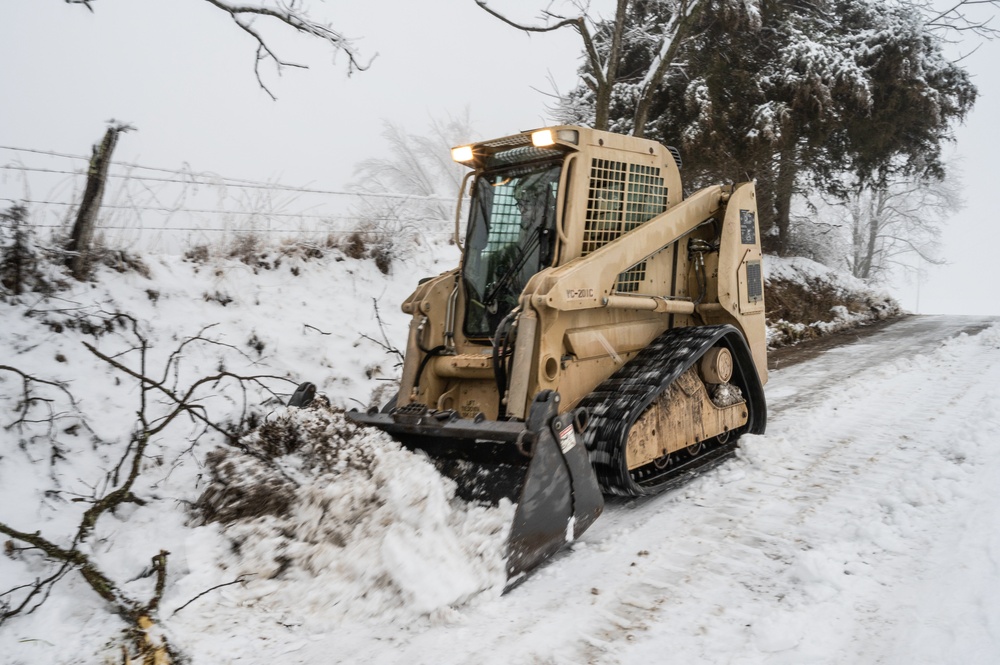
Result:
pixel 829 284
pixel 371 530
pixel 862 527
pixel 801 269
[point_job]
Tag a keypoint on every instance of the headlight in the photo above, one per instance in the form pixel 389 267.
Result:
pixel 542 138
pixel 546 137
pixel 462 153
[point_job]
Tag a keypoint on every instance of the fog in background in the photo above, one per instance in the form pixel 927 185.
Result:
pixel 183 74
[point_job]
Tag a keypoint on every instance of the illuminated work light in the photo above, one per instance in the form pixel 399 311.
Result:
pixel 542 138
pixel 545 137
pixel 462 153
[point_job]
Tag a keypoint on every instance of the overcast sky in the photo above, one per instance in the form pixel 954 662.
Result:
pixel 183 75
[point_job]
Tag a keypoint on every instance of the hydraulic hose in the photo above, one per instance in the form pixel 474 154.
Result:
pixel 436 351
pixel 502 356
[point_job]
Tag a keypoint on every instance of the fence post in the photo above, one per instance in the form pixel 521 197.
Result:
pixel 82 236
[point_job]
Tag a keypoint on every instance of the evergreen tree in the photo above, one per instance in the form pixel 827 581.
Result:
pixel 833 95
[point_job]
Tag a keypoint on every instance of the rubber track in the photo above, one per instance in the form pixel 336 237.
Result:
pixel 616 404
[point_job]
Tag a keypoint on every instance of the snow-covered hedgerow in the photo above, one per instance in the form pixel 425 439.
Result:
pixel 806 299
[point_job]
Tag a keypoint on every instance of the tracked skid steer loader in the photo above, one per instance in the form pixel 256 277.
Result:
pixel 602 335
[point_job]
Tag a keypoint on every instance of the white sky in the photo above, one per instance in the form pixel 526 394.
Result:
pixel 183 75
pixel 970 283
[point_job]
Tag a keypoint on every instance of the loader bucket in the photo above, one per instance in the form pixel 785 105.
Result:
pixel 540 465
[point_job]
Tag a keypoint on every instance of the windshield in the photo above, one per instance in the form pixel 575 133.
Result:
pixel 511 237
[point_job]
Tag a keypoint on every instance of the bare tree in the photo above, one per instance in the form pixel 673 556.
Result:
pixel 902 218
pixel 601 74
pixel 420 168
pixel 958 16
pixel 293 15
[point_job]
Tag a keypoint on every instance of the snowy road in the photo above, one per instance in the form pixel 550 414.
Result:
pixel 862 528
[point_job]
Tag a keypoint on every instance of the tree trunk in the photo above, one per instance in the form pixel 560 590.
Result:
pixel 876 218
pixel 873 229
pixel 689 15
pixel 82 236
pixel 784 187
pixel 859 264
pixel 606 82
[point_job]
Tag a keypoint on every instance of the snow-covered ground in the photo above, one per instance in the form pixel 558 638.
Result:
pixel 863 527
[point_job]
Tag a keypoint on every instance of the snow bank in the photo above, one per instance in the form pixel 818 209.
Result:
pixel 801 269
pixel 807 299
pixel 361 527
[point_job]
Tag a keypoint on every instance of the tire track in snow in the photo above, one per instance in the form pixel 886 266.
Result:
pixel 768 516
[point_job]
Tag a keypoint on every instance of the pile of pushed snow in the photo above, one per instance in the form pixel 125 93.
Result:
pixel 806 299
pixel 326 520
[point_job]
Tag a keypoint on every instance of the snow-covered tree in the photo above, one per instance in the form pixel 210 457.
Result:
pixel 823 95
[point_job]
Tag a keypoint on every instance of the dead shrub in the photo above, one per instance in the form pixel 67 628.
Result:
pixel 253 480
pixel 197 254
pixel 355 246
pixel 243 487
pixel 121 260
pixel 382 254
pixel 300 249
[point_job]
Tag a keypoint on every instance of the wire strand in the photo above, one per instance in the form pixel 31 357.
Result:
pixel 211 179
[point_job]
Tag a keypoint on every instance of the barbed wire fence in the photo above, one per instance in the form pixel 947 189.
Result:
pixel 161 209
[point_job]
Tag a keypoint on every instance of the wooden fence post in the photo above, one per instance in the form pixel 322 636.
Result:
pixel 82 236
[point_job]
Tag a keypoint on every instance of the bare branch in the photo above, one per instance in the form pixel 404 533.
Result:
pixel 321 332
pixel 578 23
pixel 298 20
pixel 385 343
pixel 28 398
pixel 239 580
pixel 85 3
pixel 571 22
pixel 104 587
pixel 182 402
pixel 956 18
pixel 37 587
pixel 140 615
pixel 288 14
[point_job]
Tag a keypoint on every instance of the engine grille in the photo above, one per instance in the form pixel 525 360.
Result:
pixel 622 196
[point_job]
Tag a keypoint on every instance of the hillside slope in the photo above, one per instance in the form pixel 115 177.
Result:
pixel 306 530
